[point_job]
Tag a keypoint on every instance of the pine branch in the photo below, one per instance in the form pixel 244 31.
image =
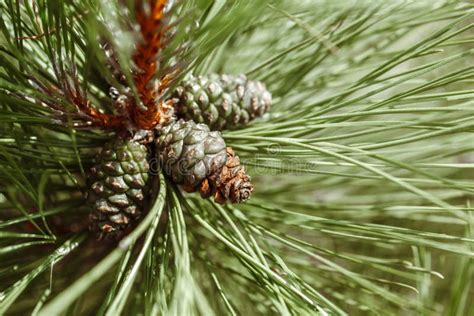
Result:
pixel 362 169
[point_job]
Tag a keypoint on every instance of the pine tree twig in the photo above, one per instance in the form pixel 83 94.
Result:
pixel 85 115
pixel 154 29
pixel 362 166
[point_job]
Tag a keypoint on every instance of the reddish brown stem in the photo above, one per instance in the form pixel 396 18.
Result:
pixel 153 29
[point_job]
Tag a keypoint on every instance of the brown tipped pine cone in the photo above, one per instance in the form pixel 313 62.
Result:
pixel 117 185
pixel 221 101
pixel 198 159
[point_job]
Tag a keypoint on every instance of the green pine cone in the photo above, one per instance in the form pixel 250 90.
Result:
pixel 199 160
pixel 117 185
pixel 221 101
pixel 189 152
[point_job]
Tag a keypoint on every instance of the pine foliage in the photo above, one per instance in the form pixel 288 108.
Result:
pixel 363 167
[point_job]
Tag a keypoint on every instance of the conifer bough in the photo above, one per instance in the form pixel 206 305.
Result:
pixel 221 101
pixel 199 160
pixel 190 153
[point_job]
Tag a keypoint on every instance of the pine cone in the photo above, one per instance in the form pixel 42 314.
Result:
pixel 198 159
pixel 117 185
pixel 221 101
